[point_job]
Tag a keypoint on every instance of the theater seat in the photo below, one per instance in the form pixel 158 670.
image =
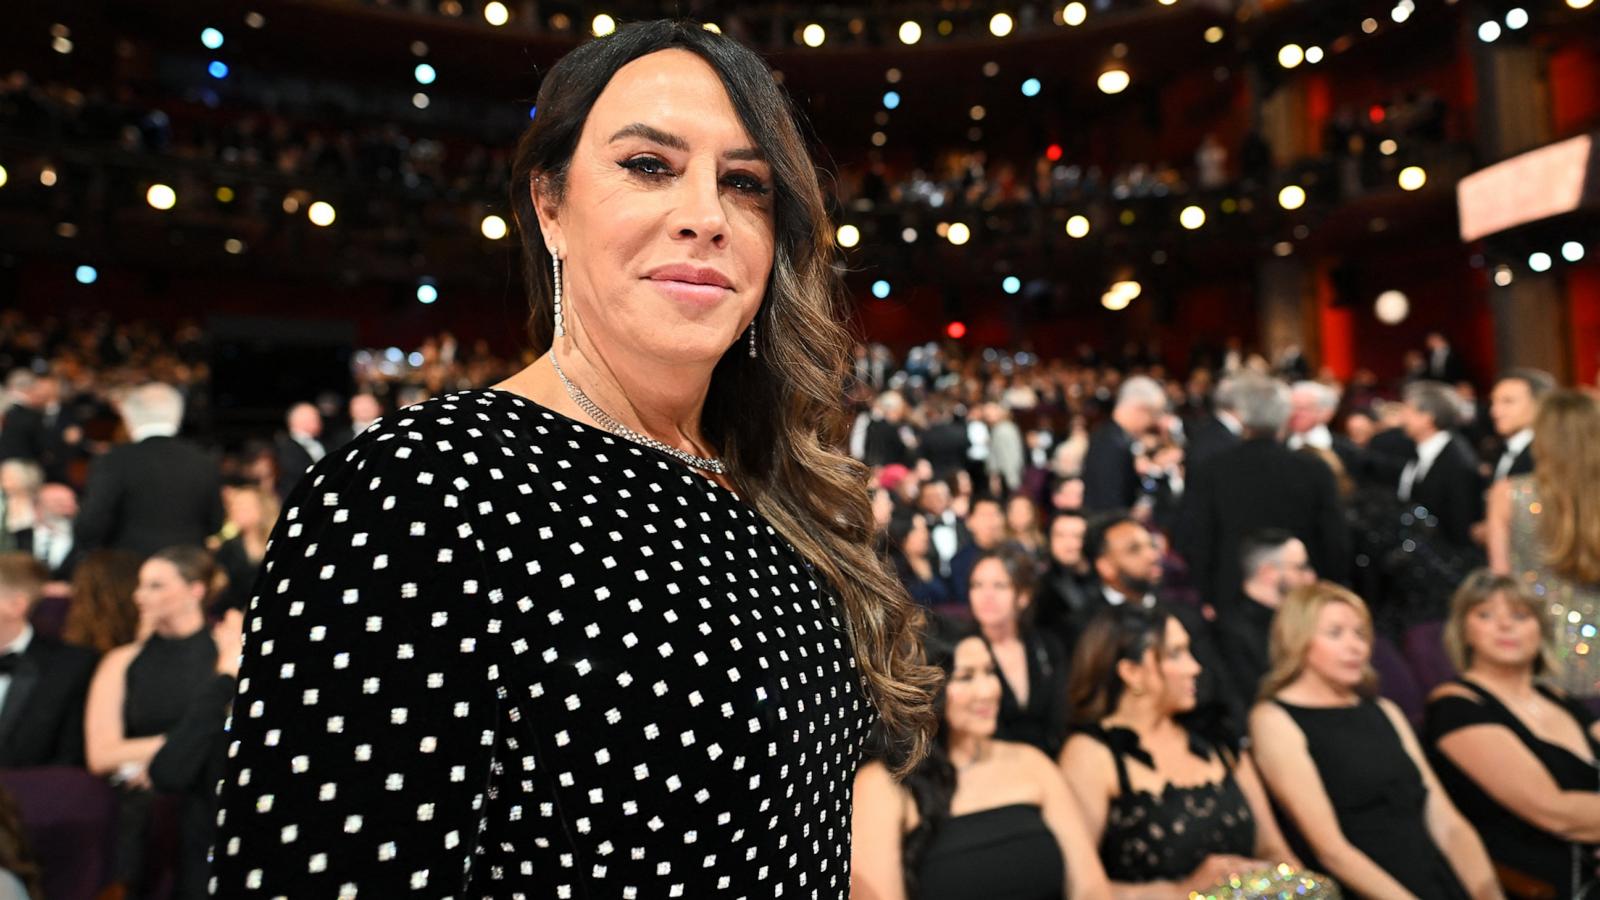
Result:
pixel 1396 680
pixel 1424 651
pixel 69 817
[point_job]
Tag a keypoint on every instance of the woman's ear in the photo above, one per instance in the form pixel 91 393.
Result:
pixel 1132 675
pixel 546 206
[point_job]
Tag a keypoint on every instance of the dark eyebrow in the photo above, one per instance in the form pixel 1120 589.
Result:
pixel 656 135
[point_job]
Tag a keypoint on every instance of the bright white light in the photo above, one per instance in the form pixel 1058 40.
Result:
pixel 909 235
pixel 1313 55
pixel 1572 251
pixel 234 246
pixel 1114 81
pixel 1078 226
pixel 61 45
pixel 1392 307
pixel 891 99
pixel 1011 284
pixel 602 25
pixel 1517 19
pixel 1030 88
pixel 4 177
pixel 910 32
pixel 880 289
pixel 424 73
pixel 1413 178
pixel 420 100
pixel 813 35
pixel 1291 55
pixel 493 227
pixel 86 274
pixel 1580 4
pixel 47 176
pixel 1192 217
pixel 321 213
pixel 1540 261
pixel 161 196
pixel 211 38
pixel 1292 197
pixel 427 293
pixel 495 13
pixel 1502 276
pixel 1388 147
pixel 848 236
pixel 1400 14
pixel 1120 295
pixel 1489 32
pixel 1000 24
pixel 1214 34
pixel 958 233
pixel 1075 14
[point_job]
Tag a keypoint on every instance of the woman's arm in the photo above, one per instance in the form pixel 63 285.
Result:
pixel 106 749
pixel 1290 774
pixel 877 827
pixel 1498 524
pixel 1505 769
pixel 1270 843
pixel 1086 878
pixel 1458 840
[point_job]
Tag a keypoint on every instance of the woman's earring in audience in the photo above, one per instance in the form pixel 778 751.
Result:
pixel 555 267
pixel 752 338
pixel 1136 690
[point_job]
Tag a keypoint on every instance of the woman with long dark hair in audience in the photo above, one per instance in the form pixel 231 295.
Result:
pixel 1032 662
pixel 1545 529
pixel 1516 755
pixel 910 552
pixel 102 614
pixel 252 512
pixel 1023 532
pixel 1173 811
pixel 143 689
pixel 1345 766
pixel 979 818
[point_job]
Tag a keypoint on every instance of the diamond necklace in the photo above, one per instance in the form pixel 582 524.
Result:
pixel 708 463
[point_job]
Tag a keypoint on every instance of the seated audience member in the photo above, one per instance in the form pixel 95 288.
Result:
pixel 143 690
pixel 1171 811
pixel 20 480
pixel 251 514
pixel 1345 766
pixel 979 817
pixel 1516 755
pixel 1022 528
pixel 986 531
pixel 946 531
pixel 1274 563
pixel 911 552
pixel 51 539
pixel 1066 596
pixel 43 682
pixel 1032 663
pixel 102 615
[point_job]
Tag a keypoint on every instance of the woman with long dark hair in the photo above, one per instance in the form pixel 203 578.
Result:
pixel 1171 810
pixel 911 553
pixel 979 818
pixel 1031 662
pixel 615 626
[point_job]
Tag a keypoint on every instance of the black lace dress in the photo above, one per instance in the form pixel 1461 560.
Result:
pixel 1165 836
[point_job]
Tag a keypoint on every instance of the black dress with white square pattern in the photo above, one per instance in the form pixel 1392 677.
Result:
pixel 496 653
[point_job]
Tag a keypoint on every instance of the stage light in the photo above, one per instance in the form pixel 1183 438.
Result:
pixel 161 196
pixel 291 204
pixel 602 25
pixel 1580 4
pixel 1572 251
pixel 1540 261
pixel 61 45
pixel 879 139
pixel 848 236
pixel 712 27
pixel 1489 32
pixel 909 235
pixel 1114 301
pixel 234 246
pixel 86 275
pixel 4 177
pixel 977 113
pixel 255 20
pixel 424 73
pixel 910 32
pixel 217 69
pixel 1011 284
pixel 1283 248
pixel 1053 152
pixel 891 100
pixel 1214 34
pixel 66 229
pixel 211 38
pixel 1502 276
pixel 958 234
pixel 1413 178
pixel 956 330
pixel 1000 24
pixel 427 293
pixel 1114 81
pixel 1388 147
pixel 493 227
pixel 1192 217
pixel 224 194
pixel 813 35
pixel 1291 55
pixel 1078 227
pixel 321 213
pixel 1400 14
pixel 419 49
pixel 1292 197
pixel 1517 19
pixel 1314 55
pixel 991 69
pixel 880 289
pixel 1128 288
pixel 495 13
pixel 1368 26
pixel 892 76
pixel 1075 14
pixel 1391 307
pixel 47 176
pixel 420 100
pixel 1031 87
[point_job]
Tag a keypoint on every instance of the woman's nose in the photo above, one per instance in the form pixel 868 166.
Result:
pixel 699 214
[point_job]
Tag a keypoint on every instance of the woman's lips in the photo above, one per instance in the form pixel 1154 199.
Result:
pixel 688 292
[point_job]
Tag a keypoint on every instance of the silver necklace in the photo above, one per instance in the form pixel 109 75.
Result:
pixel 708 463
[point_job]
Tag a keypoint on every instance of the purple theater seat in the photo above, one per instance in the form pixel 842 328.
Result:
pixel 1424 651
pixel 69 816
pixel 1396 681
pixel 49 615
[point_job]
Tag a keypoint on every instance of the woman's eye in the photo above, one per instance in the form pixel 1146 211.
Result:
pixel 647 165
pixel 748 184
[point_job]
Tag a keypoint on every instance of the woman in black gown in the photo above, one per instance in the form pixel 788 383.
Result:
pixel 1172 810
pixel 614 627
pixel 980 818
pixel 1031 662
pixel 1515 754
pixel 1346 768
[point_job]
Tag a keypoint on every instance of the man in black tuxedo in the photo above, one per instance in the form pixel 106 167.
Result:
pixel 1312 405
pixel 1212 432
pixel 1274 563
pixel 945 443
pixel 1259 484
pixel 1441 362
pixel 155 491
pixel 1067 593
pixel 43 682
pixel 50 540
pixel 1110 477
pixel 1513 405
pixel 22 431
pixel 300 448
pixel 1442 475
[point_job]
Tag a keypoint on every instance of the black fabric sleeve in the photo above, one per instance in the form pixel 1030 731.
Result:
pixel 181 762
pixel 1447 714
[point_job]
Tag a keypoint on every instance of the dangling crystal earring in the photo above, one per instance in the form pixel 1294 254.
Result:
pixel 752 338
pixel 555 266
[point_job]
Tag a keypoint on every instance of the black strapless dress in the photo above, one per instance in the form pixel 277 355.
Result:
pixel 1005 853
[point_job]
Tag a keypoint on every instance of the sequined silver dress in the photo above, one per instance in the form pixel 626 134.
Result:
pixel 1574 609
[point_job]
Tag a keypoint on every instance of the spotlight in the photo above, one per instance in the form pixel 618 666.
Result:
pixel 495 13
pixel 420 100
pixel 958 234
pixel 1291 55
pixel 427 293
pixel 880 289
pixel 879 139
pixel 1489 32
pixel 86 274
pixel 1580 4
pixel 813 35
pixel 61 45
pixel 1292 197
pixel 891 100
pixel 1283 248
pixel 1502 276
pixel 211 38
pixel 602 25
pixel 991 69
pixel 217 69
pixel 47 176
pixel 161 196
pixel 1053 152
pixel 255 20
pixel 1011 284
pixel 424 73
pixel 977 113
pixel 4 177
pixel 956 330
pixel 1030 87
pixel 1368 26
pixel 1314 55
pixel 1192 217
pixel 225 194
pixel 1078 227
pixel 1000 24
pixel 234 246
pixel 1572 251
pixel 1214 34
pixel 1114 81
pixel 1413 178
pixel 1388 147
pixel 1540 261
pixel 892 76
pixel 1517 19
pixel 1391 307
pixel 493 227
pixel 321 213
pixel 848 236
pixel 910 32
pixel 909 235
pixel 1075 14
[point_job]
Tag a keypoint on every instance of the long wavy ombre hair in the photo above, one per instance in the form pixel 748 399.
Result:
pixel 778 420
pixel 1566 448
